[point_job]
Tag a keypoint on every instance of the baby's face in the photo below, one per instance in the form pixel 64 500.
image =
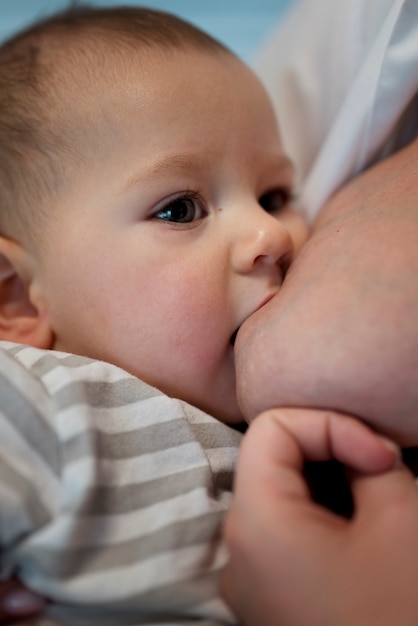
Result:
pixel 176 227
pixel 343 331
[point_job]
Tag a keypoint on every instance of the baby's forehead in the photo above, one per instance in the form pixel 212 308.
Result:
pixel 85 62
pixel 86 83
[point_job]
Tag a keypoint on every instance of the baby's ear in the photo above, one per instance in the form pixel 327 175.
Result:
pixel 22 319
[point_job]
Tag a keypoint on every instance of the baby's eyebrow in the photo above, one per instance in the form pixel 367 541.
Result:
pixel 169 164
pixel 188 161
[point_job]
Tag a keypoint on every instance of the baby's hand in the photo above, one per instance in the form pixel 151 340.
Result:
pixel 293 562
pixel 18 605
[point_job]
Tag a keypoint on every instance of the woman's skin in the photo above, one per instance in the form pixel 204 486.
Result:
pixel 342 334
pixel 295 563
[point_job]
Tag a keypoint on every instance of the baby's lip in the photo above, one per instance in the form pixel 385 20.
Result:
pixel 266 301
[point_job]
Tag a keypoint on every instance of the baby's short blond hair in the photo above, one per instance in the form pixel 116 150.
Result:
pixel 39 68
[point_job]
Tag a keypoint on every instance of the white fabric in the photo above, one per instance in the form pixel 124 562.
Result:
pixel 343 76
pixel 112 494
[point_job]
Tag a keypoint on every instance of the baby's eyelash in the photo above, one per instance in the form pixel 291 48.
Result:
pixel 184 208
pixel 276 199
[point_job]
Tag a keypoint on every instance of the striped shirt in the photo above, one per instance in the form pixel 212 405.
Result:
pixel 112 494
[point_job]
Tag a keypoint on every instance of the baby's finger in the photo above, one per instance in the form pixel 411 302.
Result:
pixel 18 603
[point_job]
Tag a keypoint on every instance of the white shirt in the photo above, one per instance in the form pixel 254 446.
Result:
pixel 343 77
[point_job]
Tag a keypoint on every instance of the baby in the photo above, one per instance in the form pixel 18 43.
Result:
pixel 145 215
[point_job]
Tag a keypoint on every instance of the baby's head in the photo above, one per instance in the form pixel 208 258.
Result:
pixel 343 332
pixel 145 198
pixel 52 77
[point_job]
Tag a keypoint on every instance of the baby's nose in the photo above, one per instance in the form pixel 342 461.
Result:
pixel 267 243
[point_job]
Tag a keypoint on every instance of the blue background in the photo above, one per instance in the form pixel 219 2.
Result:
pixel 240 24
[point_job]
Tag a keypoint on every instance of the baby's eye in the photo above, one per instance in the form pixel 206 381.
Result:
pixel 275 200
pixel 181 210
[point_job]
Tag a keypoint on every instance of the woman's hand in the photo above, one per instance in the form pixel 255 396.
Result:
pixel 295 563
